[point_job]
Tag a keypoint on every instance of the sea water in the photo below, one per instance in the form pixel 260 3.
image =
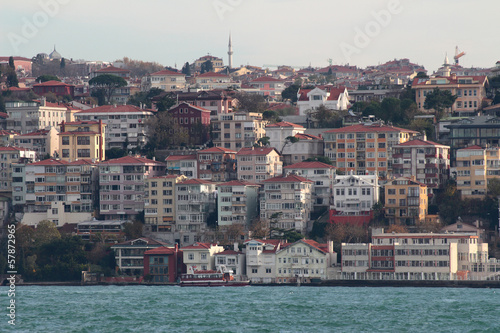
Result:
pixel 252 309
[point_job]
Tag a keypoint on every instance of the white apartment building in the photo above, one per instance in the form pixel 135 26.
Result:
pixel 125 124
pixel 261 259
pixel 307 146
pixel 165 80
pixel 200 256
pixel 322 175
pixel 234 260
pixel 186 165
pixel 415 256
pixel 237 202
pixel 278 132
pixel 286 202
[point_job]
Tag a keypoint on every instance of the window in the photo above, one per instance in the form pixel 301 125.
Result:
pixel 254 270
pixel 268 270
pixel 65 140
pixel 83 140
pixel 191 255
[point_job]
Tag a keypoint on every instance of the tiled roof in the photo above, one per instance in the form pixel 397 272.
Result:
pixel 52 83
pixel 165 177
pixel 196 246
pixel 375 127
pixel 14 149
pixel 309 165
pixel 6 132
pixel 15 58
pixel 475 147
pixel 161 250
pixel 52 105
pixel 266 79
pixel 450 80
pixel 126 160
pixel 304 136
pixel 114 109
pixel 180 157
pixel 196 181
pixel 418 142
pixel 284 124
pixel 184 104
pixel 289 178
pixel 167 72
pixel 216 150
pixel 83 122
pixel 50 161
pixel 238 183
pixel 255 151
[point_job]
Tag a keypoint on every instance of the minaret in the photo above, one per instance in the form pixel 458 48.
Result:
pixel 230 53
pixel 446 65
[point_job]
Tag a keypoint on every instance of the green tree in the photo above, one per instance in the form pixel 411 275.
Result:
pixel 11 79
pixel 133 230
pixel 264 141
pixel 62 65
pixel 439 100
pixel 270 115
pixel 2 104
pixel 162 132
pixel 165 103
pixel 186 69
pixel 289 140
pixel 494 187
pixel 206 67
pixel 11 63
pixel 422 75
pixel 326 117
pixel 47 77
pixel 322 159
pixel 251 102
pixel 290 93
pixel 391 111
pixel 109 83
pixel 423 125
pixel 45 232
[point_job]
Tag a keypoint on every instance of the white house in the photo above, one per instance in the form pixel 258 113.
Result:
pixel 233 260
pixel 261 259
pixel 278 132
pixel 331 97
pixel 200 256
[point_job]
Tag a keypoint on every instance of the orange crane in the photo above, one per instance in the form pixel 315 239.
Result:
pixel 458 55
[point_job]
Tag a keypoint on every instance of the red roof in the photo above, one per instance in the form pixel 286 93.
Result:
pixel 316 245
pixel 180 157
pixel 475 147
pixel 82 122
pixel 418 142
pixel 256 151
pixel 305 136
pixel 197 246
pixel 375 127
pixel 52 83
pixel 112 69
pixel 167 72
pixel 290 178
pixel 113 108
pixel 52 105
pixel 196 181
pixel 15 58
pixel 77 132
pixel 212 74
pixel 284 124
pixel 127 160
pixel 238 183
pixel 184 104
pixel 50 161
pixel 160 250
pixel 14 149
pixel 216 150
pixel 5 132
pixel 309 165
pixel 451 80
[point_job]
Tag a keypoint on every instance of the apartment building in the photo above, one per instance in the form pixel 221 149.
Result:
pixel 56 190
pixel 165 80
pixel 427 160
pixel 476 166
pixel 261 259
pixel 121 185
pixel 278 132
pixel 125 124
pixel 195 200
pixel 304 261
pixel 353 199
pixel 237 203
pixel 194 120
pixel 217 62
pixel 307 146
pixel 268 86
pixel 216 164
pixel 364 148
pixel 43 142
pixel 323 177
pixel 159 202
pixel 286 202
pixel 200 256
pixel 238 130
pixel 211 81
pixel 406 201
pixel 82 139
pixel 414 256
pixel 470 92
pixel 258 164
pixel 186 165
pixel 8 157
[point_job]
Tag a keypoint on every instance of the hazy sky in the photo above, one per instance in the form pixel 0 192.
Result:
pixel 274 32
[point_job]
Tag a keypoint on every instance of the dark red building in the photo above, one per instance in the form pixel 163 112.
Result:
pixel 56 87
pixel 163 264
pixel 193 118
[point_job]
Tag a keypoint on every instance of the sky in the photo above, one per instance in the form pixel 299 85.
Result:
pixel 264 32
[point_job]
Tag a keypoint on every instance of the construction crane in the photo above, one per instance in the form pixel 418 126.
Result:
pixel 458 55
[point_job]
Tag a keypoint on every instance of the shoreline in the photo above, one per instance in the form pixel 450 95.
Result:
pixel 326 283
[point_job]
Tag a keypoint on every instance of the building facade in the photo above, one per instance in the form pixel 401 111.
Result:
pixel 216 164
pixel 186 165
pixel 406 201
pixel 82 140
pixel 258 164
pixel 238 130
pixel 237 203
pixel 200 256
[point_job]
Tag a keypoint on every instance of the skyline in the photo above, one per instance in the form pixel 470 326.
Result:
pixel 272 32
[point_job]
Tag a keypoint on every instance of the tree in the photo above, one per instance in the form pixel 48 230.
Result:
pixel 290 140
pixel 346 233
pixel 133 230
pixel 186 69
pixel 322 159
pixel 494 187
pixel 162 132
pixel 12 80
pixel 165 103
pixel 290 93
pixel 259 229
pixel 422 75
pixel 206 67
pixel 45 232
pixel 109 83
pixel 439 100
pixel 325 116
pixel 62 65
pixel 251 102
pixel 423 125
pixel 270 115
pixel 47 77
pixel 2 104
pixel 264 141
pixel 11 63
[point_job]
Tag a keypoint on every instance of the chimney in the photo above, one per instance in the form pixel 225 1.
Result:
pixel 236 248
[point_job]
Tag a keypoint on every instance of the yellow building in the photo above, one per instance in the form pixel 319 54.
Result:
pixel 159 202
pixel 475 167
pixel 82 140
pixel 406 201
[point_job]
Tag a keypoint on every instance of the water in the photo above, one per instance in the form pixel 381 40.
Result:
pixel 252 309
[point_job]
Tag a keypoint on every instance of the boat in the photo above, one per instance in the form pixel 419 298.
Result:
pixel 222 277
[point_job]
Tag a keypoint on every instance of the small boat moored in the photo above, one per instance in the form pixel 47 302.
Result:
pixel 210 278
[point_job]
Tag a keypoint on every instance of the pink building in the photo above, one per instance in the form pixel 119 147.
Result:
pixel 56 87
pixel 122 185
pixel 258 164
pixel 193 118
pixel 268 86
pixel 217 164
